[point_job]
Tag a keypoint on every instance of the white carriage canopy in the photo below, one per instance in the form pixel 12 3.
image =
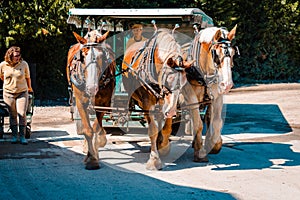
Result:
pixel 118 20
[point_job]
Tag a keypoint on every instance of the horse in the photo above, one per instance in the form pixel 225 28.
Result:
pixel 91 73
pixel 154 79
pixel 211 78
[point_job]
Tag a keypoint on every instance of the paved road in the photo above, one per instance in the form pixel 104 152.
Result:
pixel 260 158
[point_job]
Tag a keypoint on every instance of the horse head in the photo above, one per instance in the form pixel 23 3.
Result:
pixel 172 75
pixel 223 53
pixel 92 59
pixel 216 55
pixel 173 78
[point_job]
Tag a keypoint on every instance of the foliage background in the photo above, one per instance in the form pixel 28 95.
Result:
pixel 267 36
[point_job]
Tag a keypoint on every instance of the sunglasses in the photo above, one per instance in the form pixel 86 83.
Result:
pixel 16 56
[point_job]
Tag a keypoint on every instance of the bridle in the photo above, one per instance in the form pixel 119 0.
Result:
pixel 79 68
pixel 194 52
pixel 166 73
pixel 228 49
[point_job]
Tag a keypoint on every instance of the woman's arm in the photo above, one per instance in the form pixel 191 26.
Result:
pixel 28 80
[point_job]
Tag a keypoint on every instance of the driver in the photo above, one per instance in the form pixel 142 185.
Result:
pixel 137 30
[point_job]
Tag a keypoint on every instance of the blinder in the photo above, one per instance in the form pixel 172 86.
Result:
pixel 215 57
pixel 81 57
pixel 179 67
pixel 180 61
pixel 237 54
pixel 226 45
pixel 77 76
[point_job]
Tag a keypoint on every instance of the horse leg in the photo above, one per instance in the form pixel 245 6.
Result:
pixel 164 143
pixel 100 133
pixel 213 140
pixel 199 156
pixel 92 158
pixel 193 95
pixel 217 126
pixel 154 162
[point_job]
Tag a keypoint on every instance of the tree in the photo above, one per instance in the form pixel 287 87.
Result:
pixel 39 27
pixel 267 35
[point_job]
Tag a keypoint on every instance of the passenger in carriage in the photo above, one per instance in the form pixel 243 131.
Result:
pixel 14 72
pixel 137 31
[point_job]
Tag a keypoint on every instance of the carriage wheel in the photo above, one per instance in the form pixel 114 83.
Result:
pixel 28 132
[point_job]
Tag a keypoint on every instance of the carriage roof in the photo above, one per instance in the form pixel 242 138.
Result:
pixel 185 17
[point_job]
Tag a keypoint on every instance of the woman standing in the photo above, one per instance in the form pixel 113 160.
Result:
pixel 14 72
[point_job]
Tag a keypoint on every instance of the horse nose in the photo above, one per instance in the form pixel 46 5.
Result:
pixel 226 86
pixel 92 89
pixel 170 105
pixel 171 113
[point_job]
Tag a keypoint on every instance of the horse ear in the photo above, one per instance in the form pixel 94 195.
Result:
pixel 231 34
pixel 79 38
pixel 217 35
pixel 103 37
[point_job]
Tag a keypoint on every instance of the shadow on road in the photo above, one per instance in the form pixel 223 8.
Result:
pixel 244 156
pixel 41 170
pixel 254 118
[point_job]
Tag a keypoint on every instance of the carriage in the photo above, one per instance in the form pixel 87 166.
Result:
pixel 147 83
pixel 118 22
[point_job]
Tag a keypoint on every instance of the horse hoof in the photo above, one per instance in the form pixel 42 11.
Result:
pixel 154 165
pixel 154 162
pixel 92 166
pixel 217 148
pixel 200 160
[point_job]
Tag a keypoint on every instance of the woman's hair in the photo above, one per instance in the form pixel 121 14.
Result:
pixel 10 53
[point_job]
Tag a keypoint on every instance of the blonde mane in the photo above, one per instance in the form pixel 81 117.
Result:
pixel 167 41
pixel 206 35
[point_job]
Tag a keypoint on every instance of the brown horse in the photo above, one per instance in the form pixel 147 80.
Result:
pixel 155 78
pixel 211 79
pixel 91 73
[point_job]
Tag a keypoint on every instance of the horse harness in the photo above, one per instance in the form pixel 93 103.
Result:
pixel 196 73
pixel 226 44
pixel 77 70
pixel 146 70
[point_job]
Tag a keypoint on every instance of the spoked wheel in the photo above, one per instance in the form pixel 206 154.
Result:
pixel 28 132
